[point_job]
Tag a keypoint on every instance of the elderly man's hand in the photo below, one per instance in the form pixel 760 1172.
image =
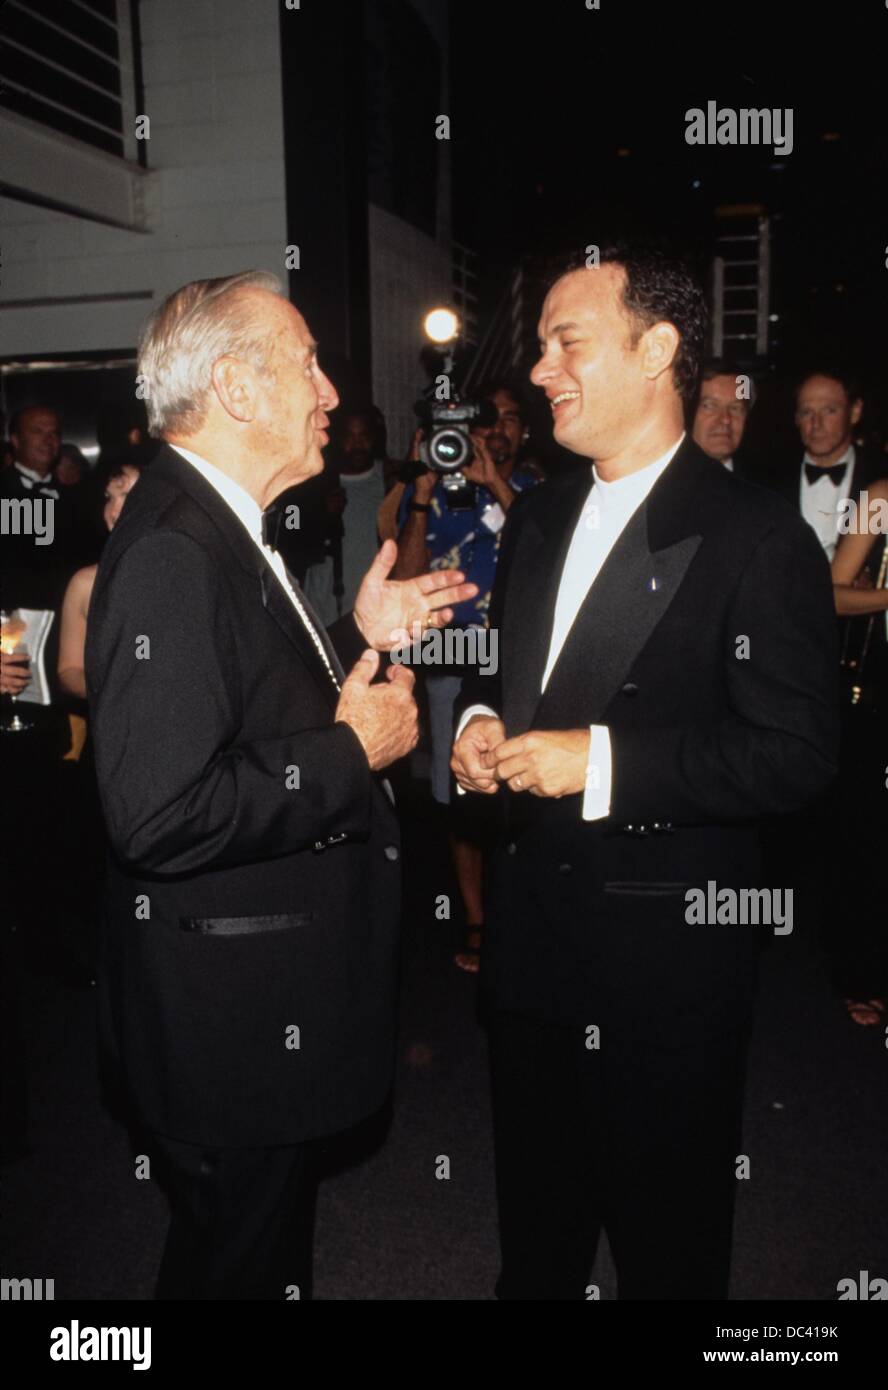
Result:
pixel 384 716
pixel 386 610
pixel 548 762
pixel 473 754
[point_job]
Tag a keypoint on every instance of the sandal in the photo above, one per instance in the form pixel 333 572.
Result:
pixel 469 959
pixel 865 1012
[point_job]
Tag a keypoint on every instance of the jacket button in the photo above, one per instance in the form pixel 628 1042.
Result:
pixel 511 848
pixel 565 868
pixel 391 852
pixel 630 688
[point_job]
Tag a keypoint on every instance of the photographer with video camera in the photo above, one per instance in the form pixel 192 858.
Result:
pixel 452 514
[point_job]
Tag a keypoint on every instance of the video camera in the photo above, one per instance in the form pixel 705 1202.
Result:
pixel 447 446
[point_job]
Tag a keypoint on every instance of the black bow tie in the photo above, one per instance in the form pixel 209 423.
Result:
pixel 271 524
pixel 835 475
pixel 45 487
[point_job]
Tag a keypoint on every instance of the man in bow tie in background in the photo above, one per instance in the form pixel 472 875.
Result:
pixel 828 406
pixel 666 678
pixel 248 985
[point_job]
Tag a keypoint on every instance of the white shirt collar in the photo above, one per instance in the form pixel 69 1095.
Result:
pixel 41 479
pixel 245 507
pixel 368 473
pixel 634 487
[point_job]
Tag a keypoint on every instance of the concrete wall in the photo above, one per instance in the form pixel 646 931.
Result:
pixel 409 274
pixel 216 201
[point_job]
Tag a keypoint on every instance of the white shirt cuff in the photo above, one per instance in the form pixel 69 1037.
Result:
pixel 596 797
pixel 470 714
pixel 464 719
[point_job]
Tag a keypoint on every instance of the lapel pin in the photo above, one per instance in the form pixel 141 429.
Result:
pixel 653 584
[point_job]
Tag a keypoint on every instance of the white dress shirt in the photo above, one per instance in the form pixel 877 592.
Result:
pixel 606 512
pixel 820 501
pixel 249 513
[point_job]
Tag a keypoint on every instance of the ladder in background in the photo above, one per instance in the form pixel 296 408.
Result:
pixel 741 282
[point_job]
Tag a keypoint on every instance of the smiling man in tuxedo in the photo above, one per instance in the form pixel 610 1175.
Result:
pixel 248 982
pixel 667 677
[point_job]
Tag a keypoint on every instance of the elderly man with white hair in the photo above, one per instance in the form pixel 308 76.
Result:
pixel 248 980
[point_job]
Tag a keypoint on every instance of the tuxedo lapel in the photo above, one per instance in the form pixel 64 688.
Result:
pixel 625 603
pixel 534 593
pixel 171 467
pixel 280 608
pixel 632 591
pixel 859 475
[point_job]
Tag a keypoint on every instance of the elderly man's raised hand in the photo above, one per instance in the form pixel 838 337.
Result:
pixel 388 611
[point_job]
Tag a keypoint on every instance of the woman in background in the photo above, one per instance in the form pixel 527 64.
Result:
pixel 83 842
pixel 72 643
pixel 859 949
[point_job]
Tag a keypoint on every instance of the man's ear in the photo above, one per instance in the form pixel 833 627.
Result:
pixel 659 346
pixel 236 388
pixel 856 410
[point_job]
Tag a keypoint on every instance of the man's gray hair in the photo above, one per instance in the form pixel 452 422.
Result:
pixel 187 334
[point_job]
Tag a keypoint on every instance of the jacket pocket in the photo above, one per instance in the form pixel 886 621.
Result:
pixel 244 926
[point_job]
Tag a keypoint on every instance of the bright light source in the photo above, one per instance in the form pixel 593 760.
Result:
pixel 441 325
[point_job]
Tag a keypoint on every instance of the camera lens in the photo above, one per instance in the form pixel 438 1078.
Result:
pixel 448 450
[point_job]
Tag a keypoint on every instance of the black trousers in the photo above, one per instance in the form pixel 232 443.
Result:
pixel 639 1137
pixel 241 1221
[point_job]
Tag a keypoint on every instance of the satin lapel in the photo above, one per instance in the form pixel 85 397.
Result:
pixel 632 591
pixel 635 585
pixel 533 590
pixel 279 606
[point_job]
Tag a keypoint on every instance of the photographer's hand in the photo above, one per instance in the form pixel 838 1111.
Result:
pixel 413 552
pixel 483 470
pixel 424 483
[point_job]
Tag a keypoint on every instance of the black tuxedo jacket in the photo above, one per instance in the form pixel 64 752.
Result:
pixel 708 733
pixel 249 982
pixel 786 479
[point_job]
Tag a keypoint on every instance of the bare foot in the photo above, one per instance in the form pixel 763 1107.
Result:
pixel 470 959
